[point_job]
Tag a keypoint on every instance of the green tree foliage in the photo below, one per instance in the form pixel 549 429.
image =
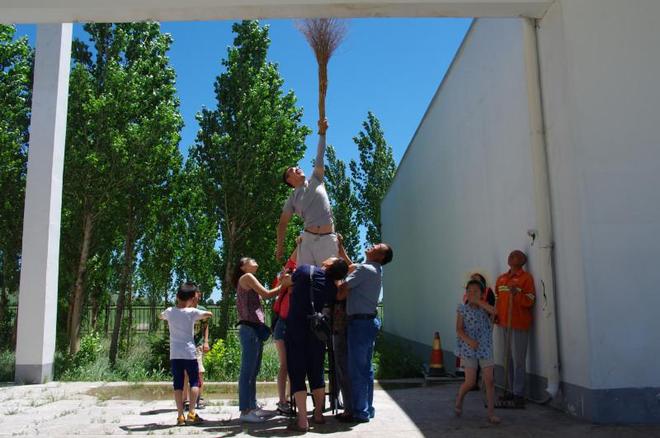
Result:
pixel 373 175
pixel 343 201
pixel 121 165
pixel 197 232
pixel 243 146
pixel 16 59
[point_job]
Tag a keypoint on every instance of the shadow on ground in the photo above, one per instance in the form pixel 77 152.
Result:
pixel 233 427
pixel 430 409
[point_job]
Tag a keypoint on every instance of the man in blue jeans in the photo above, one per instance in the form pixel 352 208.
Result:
pixel 362 290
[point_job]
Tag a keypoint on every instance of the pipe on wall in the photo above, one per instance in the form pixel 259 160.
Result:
pixel 543 240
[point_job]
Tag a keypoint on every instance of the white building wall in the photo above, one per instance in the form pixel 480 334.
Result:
pixel 604 152
pixel 465 185
pixel 462 197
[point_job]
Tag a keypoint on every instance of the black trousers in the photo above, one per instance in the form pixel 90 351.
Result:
pixel 304 356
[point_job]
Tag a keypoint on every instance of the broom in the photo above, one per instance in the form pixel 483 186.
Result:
pixel 324 35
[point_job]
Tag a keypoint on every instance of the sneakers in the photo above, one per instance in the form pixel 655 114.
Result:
pixel 194 419
pixel 201 403
pixel 284 408
pixel 186 405
pixel 181 420
pixel 261 412
pixel 251 417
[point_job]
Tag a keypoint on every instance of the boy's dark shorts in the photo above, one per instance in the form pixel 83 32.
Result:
pixel 189 366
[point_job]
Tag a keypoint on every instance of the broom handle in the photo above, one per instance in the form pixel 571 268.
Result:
pixel 323 88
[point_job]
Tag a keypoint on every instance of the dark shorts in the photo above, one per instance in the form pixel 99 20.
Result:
pixel 189 366
pixel 280 330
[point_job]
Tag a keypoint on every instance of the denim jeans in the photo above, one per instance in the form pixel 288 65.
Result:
pixel 361 337
pixel 251 349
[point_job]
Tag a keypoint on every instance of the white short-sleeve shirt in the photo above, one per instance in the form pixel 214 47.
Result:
pixel 181 322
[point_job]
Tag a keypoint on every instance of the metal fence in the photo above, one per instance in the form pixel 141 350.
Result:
pixel 145 318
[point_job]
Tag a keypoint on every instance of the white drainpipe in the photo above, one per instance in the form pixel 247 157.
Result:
pixel 543 240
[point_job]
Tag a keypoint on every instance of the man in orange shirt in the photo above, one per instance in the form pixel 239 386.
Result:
pixel 515 297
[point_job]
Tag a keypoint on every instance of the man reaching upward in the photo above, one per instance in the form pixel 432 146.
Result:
pixel 310 201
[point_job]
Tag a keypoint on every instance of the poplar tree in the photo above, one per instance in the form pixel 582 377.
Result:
pixel 372 175
pixel 243 146
pixel 122 156
pixel 344 203
pixel 16 59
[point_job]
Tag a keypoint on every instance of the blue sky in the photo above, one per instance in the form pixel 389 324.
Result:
pixel 389 66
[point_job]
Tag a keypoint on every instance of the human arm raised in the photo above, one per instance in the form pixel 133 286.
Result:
pixel 319 162
pixel 487 307
pixel 285 217
pixel 249 281
pixel 342 250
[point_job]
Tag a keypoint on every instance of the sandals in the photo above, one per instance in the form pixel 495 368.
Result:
pixel 318 421
pixel 494 420
pixel 458 411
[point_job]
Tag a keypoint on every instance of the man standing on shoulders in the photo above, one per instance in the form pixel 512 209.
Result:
pixel 362 290
pixel 515 297
pixel 310 201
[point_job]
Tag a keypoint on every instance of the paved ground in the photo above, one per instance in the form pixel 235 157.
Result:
pixel 65 409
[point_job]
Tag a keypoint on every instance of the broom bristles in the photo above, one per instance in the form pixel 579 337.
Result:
pixel 324 35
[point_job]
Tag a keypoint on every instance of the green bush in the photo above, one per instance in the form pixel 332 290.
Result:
pixel 392 360
pixel 270 363
pixel 91 363
pixel 159 348
pixel 223 362
pixel 7 363
pixel 90 348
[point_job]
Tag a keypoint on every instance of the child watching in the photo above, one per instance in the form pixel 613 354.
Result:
pixel 181 320
pixel 474 346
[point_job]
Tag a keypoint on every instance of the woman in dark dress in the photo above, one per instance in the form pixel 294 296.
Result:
pixel 305 353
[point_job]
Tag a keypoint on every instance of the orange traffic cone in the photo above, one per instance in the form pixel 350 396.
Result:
pixel 436 368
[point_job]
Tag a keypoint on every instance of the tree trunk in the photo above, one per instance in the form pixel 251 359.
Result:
pixel 227 287
pixel 106 322
pixel 5 324
pixel 77 301
pixel 123 288
pixel 127 328
pixel 96 307
pixel 153 316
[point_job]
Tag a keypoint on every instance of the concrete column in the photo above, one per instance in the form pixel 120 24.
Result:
pixel 37 302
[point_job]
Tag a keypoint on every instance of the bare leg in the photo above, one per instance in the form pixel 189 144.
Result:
pixel 194 393
pixel 301 403
pixel 201 385
pixel 470 380
pixel 178 399
pixel 283 373
pixel 319 402
pixel 186 386
pixel 489 383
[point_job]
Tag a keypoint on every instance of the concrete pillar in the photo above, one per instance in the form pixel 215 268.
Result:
pixel 37 302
